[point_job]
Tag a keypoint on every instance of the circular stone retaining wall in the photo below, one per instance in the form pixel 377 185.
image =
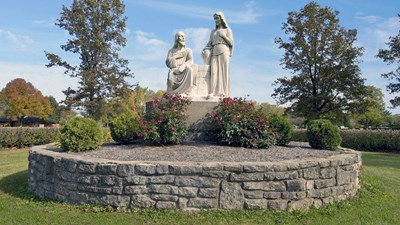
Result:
pixel 284 185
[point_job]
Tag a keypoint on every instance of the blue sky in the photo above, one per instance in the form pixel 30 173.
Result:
pixel 27 30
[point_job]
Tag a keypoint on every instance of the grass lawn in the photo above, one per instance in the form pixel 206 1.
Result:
pixel 378 202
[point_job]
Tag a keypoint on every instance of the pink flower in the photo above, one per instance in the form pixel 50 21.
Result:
pixel 237 117
pixel 242 108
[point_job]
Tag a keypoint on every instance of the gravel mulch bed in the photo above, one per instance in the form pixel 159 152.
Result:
pixel 206 152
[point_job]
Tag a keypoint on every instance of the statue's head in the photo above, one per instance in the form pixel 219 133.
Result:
pixel 221 16
pixel 180 39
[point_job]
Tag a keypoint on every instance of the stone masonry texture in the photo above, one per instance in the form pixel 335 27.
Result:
pixel 285 185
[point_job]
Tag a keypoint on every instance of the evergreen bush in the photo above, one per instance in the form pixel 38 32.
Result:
pixel 284 129
pixel 81 134
pixel 125 127
pixel 322 134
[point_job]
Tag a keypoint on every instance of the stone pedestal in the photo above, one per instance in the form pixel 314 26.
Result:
pixel 197 114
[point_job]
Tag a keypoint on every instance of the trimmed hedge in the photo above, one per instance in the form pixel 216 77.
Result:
pixel 363 140
pixel 20 137
pixel 322 134
pixel 372 140
pixel 125 128
pixel 81 134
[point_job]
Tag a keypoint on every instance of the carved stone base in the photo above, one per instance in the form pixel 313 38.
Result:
pixel 197 114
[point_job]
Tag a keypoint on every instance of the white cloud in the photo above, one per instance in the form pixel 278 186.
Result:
pixel 154 78
pixel 375 35
pixel 45 23
pixel 249 16
pixel 15 41
pixel 148 47
pixel 369 19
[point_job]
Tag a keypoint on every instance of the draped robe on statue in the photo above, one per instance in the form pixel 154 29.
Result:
pixel 219 62
pixel 180 75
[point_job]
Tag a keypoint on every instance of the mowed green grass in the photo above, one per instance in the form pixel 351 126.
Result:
pixel 378 202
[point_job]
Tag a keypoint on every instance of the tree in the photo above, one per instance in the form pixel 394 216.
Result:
pixel 97 28
pixel 374 105
pixel 3 104
pixel 269 109
pixel 392 56
pixel 323 60
pixel 23 99
pixel 134 100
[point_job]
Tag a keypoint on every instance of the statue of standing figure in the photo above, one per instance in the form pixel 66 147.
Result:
pixel 217 53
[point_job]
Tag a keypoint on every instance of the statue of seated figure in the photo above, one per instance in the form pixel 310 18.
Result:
pixel 181 77
pixel 185 77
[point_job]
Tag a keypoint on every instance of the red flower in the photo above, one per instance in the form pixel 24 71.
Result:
pixel 237 117
pixel 242 108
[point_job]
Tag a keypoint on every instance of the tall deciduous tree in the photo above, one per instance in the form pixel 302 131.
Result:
pixel 97 28
pixel 23 99
pixel 326 78
pixel 392 56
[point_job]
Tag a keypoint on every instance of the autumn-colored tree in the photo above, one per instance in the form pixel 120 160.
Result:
pixel 3 105
pixel 23 99
pixel 134 100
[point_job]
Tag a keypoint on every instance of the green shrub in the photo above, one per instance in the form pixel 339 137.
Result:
pixel 372 140
pixel 363 140
pixel 81 134
pixel 322 134
pixel 27 136
pixel 125 127
pixel 165 123
pixel 107 135
pixel 236 122
pixel 300 135
pixel 284 129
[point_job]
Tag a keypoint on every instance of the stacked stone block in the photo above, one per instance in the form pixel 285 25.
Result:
pixel 286 185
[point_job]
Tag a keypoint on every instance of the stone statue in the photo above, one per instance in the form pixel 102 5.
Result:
pixel 181 77
pixel 217 54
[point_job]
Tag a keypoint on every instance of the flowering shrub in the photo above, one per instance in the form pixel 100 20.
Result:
pixel 165 122
pixel 236 122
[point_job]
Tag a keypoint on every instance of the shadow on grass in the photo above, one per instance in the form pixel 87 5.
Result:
pixel 16 185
